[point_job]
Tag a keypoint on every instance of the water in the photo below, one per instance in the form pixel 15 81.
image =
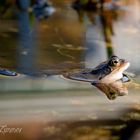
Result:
pixel 68 39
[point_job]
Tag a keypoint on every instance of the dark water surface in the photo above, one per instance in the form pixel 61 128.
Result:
pixel 55 108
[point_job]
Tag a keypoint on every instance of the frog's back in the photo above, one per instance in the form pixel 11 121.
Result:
pixel 89 74
pixel 81 75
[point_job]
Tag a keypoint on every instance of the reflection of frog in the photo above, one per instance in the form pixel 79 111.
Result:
pixel 109 76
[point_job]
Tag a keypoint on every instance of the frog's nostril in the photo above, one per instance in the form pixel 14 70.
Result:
pixel 123 60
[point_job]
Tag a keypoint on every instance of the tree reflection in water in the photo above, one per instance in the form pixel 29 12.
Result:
pixel 106 17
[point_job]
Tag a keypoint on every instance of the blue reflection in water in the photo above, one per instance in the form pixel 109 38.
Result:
pixel 7 72
pixel 27 47
pixel 43 9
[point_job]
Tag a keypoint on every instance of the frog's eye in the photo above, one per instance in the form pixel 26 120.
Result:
pixel 114 62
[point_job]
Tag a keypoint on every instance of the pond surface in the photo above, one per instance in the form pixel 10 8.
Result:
pixel 69 39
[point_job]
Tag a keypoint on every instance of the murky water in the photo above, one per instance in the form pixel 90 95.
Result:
pixel 68 39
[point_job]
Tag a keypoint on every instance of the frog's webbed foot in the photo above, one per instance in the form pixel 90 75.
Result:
pixel 125 78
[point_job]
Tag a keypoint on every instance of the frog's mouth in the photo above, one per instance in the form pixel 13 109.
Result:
pixel 116 74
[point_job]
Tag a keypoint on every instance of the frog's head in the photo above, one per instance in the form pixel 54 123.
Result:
pixel 117 66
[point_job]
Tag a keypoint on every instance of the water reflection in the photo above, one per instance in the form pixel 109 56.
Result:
pixel 107 27
pixel 100 35
pixel 28 33
pixel 43 9
pixel 103 32
pixel 27 41
pixel 100 30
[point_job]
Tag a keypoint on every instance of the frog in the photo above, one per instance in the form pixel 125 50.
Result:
pixel 109 76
